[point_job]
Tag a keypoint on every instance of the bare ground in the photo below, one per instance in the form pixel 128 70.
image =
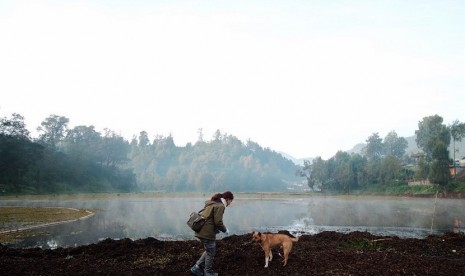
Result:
pixel 326 253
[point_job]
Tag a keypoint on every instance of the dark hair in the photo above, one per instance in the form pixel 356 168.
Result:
pixel 228 195
pixel 225 195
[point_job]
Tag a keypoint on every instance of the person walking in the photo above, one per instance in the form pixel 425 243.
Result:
pixel 214 210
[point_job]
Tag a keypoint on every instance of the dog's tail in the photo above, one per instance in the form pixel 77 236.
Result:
pixel 295 239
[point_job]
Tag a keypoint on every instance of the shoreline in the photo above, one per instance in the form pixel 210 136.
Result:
pixel 253 195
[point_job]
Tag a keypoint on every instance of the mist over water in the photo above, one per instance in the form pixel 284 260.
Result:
pixel 165 218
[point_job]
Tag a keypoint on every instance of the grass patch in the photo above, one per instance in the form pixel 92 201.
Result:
pixel 457 186
pixel 16 220
pixel 359 244
pixel 364 244
pixel 15 214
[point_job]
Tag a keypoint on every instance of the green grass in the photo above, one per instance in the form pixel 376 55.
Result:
pixel 458 187
pixel 14 220
pixel 364 244
pixel 33 215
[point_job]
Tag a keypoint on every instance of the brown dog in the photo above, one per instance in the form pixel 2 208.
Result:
pixel 269 241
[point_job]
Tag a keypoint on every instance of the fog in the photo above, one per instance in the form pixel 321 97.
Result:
pixel 165 218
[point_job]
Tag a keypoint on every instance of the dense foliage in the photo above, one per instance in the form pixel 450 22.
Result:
pixel 222 163
pixel 383 163
pixel 84 160
pixel 61 160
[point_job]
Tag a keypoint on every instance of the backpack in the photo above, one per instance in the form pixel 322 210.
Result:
pixel 196 220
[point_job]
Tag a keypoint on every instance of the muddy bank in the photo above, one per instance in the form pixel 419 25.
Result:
pixel 326 253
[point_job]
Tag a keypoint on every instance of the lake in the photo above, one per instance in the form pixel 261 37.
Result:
pixel 164 218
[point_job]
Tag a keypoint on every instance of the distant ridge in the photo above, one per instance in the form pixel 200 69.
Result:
pixel 297 161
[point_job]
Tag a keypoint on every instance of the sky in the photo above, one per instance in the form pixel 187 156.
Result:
pixel 307 78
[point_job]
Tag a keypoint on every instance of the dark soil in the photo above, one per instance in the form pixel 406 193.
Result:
pixel 326 253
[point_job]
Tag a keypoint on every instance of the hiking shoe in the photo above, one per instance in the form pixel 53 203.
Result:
pixel 195 271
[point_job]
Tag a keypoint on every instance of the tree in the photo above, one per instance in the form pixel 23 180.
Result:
pixel 343 173
pixel 14 126
pixel 430 132
pixel 359 164
pixel 390 169
pixel 316 173
pixel 18 154
pixel 457 132
pixel 440 173
pixel 53 130
pixel 144 139
pixel 434 138
pixel 217 136
pixel 374 147
pixel 83 142
pixel 18 158
pixel 423 170
pixel 394 145
pixel 113 149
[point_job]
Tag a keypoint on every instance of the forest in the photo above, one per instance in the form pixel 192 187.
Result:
pixel 81 159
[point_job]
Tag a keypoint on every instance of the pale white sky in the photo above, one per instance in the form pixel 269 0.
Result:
pixel 307 78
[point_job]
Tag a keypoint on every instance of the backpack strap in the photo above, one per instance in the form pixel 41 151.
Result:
pixel 206 208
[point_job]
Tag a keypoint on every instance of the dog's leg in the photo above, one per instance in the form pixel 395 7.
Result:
pixel 267 257
pixel 286 250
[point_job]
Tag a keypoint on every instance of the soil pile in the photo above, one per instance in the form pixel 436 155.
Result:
pixel 326 253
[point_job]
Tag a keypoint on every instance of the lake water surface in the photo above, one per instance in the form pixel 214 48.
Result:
pixel 165 218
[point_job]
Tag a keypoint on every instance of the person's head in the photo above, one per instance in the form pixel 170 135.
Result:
pixel 228 196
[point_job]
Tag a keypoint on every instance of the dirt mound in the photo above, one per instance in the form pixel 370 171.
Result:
pixel 326 253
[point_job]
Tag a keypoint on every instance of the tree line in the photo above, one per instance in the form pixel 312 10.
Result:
pixel 82 159
pixel 384 162
pixel 60 159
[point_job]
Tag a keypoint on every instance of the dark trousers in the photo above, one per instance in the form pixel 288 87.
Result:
pixel 206 260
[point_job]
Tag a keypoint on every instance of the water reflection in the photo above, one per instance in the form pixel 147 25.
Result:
pixel 165 218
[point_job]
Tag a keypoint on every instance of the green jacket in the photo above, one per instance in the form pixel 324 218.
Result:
pixel 214 211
